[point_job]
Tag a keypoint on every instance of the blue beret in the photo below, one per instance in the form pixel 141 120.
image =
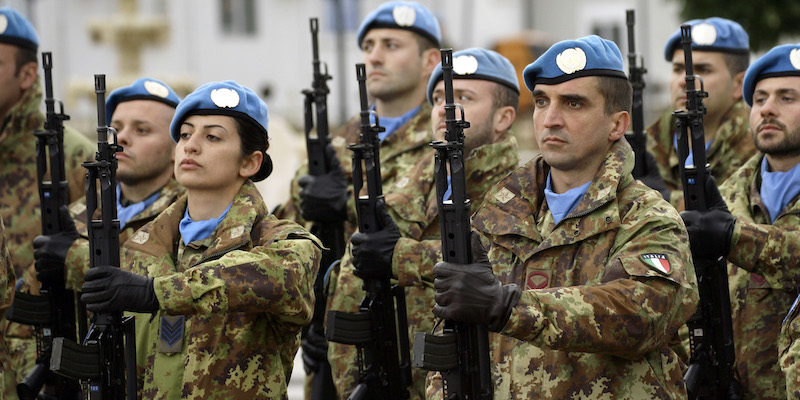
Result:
pixel 402 15
pixel 712 34
pixel 570 59
pixel 17 30
pixel 221 98
pixel 477 63
pixel 782 60
pixel 141 89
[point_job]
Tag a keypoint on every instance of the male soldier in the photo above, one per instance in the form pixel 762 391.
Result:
pixel 20 115
pixel 720 53
pixel 141 114
pixel 760 234
pixel 6 284
pixel 592 270
pixel 485 84
pixel 399 43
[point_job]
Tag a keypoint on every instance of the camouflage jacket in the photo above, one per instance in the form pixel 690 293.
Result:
pixel 412 204
pixel 77 261
pixel 732 146
pixel 6 274
pixel 399 152
pixel 245 293
pixel 595 318
pixel 763 279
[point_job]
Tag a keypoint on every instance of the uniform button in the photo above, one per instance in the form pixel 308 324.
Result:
pixel 608 220
pixel 577 232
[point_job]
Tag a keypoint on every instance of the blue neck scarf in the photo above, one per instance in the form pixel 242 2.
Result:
pixel 562 204
pixel 392 123
pixel 690 157
pixel 192 230
pixel 778 188
pixel 125 213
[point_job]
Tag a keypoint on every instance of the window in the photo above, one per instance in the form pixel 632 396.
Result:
pixel 238 17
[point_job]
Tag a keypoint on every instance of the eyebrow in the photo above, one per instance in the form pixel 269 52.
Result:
pixel 206 126
pixel 779 91
pixel 568 96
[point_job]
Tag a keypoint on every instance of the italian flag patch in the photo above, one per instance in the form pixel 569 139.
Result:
pixel 658 262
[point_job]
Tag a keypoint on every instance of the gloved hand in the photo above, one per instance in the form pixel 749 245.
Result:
pixel 323 198
pixel 315 350
pixel 710 231
pixel 653 178
pixel 471 293
pixel 107 289
pixel 372 252
pixel 50 251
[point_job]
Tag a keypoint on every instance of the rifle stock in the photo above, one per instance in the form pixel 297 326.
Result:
pixel 462 352
pixel 331 234
pixel 52 313
pixel 106 362
pixel 711 366
pixel 380 329
pixel 636 137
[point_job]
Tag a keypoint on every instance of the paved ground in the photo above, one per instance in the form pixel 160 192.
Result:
pixel 296 382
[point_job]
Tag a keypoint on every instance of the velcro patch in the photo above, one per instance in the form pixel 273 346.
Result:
pixel 658 262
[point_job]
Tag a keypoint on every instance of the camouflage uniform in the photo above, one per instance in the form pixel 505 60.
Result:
pixel 77 261
pixel 593 320
pixel 19 208
pixel 412 204
pixel 6 287
pixel 789 354
pixel 761 290
pixel 245 292
pixel 732 146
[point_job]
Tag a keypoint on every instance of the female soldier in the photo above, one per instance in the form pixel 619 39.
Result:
pixel 229 285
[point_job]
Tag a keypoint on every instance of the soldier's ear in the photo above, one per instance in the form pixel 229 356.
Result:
pixel 619 125
pixel 738 81
pixel 27 75
pixel 503 119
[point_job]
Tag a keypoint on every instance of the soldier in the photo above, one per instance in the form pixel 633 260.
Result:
pixel 591 270
pixel 760 233
pixel 720 52
pixel 20 113
pixel 6 284
pixel 485 84
pixel 141 114
pixel 399 43
pixel 229 285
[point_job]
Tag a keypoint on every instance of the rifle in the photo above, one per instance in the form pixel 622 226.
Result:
pixel 331 234
pixel 461 353
pixel 379 333
pixel 711 366
pixel 52 313
pixel 636 138
pixel 106 361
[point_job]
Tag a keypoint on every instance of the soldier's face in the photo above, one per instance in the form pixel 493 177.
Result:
pixel 13 83
pixel 477 98
pixel 143 131
pixel 775 116
pixel 208 155
pixel 723 88
pixel 393 62
pixel 572 129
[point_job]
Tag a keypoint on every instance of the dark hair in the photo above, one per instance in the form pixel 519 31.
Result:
pixel 736 62
pixel 25 56
pixel 617 93
pixel 504 96
pixel 424 43
pixel 253 139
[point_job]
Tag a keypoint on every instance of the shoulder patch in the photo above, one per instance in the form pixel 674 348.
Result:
pixel 658 262
pixel 237 231
pixel 140 237
pixel 504 195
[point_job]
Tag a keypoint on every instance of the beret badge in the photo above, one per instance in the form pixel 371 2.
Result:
pixel 571 60
pixel 156 89
pixel 225 98
pixel 465 65
pixel 704 34
pixel 404 15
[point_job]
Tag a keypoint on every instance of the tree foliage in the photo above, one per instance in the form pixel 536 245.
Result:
pixel 764 21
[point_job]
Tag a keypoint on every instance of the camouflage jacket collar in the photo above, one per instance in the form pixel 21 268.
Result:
pixel 162 235
pixel 24 117
pixel 411 135
pixel 748 180
pixel 167 195
pixel 518 201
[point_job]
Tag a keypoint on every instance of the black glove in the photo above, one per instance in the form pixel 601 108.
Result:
pixel 50 251
pixel 710 231
pixel 323 198
pixel 107 289
pixel 653 178
pixel 372 252
pixel 471 293
pixel 315 350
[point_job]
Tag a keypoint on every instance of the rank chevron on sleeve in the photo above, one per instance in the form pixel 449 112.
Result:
pixel 171 332
pixel 658 262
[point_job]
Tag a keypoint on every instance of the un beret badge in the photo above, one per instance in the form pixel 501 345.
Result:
pixel 225 98
pixel 156 89
pixel 465 65
pixel 704 34
pixel 404 15
pixel 794 58
pixel 3 23
pixel 571 60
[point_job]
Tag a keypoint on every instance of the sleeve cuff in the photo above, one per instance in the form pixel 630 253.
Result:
pixel 174 294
